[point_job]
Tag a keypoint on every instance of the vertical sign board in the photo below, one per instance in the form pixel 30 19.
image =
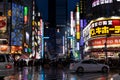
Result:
pixel 78 23
pixel 25 15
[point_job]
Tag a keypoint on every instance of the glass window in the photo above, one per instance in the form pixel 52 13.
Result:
pixel 86 62
pixel 9 58
pixel 9 0
pixel 1 0
pixel 1 13
pixel 2 58
pixel 89 62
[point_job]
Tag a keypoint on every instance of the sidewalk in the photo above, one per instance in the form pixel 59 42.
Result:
pixel 115 68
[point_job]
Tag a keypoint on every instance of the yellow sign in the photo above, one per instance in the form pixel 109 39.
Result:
pixel 101 31
pixel 78 35
pixel 33 23
pixel 9 13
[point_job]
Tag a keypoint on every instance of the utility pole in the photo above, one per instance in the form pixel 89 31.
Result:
pixel 107 35
pixel 106 49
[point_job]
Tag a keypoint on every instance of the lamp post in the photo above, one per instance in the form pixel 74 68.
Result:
pixel 106 49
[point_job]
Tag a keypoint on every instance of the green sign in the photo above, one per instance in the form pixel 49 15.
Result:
pixel 25 11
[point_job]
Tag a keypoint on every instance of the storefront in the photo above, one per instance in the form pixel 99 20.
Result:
pixel 103 37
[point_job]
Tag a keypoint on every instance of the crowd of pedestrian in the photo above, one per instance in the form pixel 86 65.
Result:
pixel 112 62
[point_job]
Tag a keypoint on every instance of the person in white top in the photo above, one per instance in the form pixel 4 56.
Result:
pixel 116 77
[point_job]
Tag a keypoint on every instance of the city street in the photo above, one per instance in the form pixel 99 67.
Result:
pixel 47 39
pixel 39 73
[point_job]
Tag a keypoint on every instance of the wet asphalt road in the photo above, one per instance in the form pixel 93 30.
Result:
pixel 53 73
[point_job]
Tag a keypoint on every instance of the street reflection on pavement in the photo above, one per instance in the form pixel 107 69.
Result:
pixel 42 74
pixel 53 73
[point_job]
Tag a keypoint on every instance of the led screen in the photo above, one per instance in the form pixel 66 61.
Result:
pixel 17 24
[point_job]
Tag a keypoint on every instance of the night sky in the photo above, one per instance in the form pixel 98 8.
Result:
pixel 43 7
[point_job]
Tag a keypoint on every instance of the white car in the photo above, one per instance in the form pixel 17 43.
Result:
pixel 6 65
pixel 89 65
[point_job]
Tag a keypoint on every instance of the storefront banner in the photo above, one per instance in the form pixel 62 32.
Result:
pixel 3 23
pixel 4 49
pixel 100 42
pixel 105 26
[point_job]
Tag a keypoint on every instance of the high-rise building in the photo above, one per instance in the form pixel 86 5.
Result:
pixel 61 13
pixel 57 18
pixel 52 13
pixel 57 13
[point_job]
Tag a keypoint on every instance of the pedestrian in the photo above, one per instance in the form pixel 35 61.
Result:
pixel 10 78
pixel 116 77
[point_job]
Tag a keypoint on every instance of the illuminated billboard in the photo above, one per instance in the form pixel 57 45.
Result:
pixel 78 23
pixel 95 33
pixel 17 24
pixel 102 26
pixel 25 14
pixel 100 42
pixel 83 23
pixel 101 2
pixel 105 26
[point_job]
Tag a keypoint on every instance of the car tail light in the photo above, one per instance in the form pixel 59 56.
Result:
pixel 72 64
pixel 8 66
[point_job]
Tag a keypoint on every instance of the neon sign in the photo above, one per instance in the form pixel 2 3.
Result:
pixel 102 31
pixel 25 14
pixel 100 42
pixel 103 27
pixel 78 23
pixel 100 2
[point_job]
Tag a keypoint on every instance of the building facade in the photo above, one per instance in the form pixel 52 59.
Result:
pixel 17 20
pixel 5 13
pixel 101 35
pixel 57 18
